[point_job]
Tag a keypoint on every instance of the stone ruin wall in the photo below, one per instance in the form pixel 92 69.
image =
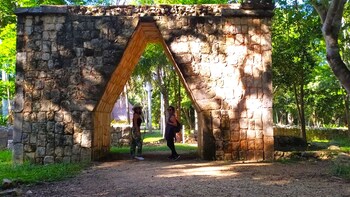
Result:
pixel 66 55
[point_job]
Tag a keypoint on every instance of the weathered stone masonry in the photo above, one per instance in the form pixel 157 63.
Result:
pixel 73 62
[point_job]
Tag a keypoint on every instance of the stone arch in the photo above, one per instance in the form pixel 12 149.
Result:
pixel 145 32
pixel 73 61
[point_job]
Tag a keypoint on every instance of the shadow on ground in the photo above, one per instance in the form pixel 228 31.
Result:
pixel 154 156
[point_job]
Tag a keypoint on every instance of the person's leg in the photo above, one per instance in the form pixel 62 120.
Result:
pixel 171 145
pixel 139 147
pixel 132 148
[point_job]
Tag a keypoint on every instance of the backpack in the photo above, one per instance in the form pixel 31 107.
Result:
pixel 178 128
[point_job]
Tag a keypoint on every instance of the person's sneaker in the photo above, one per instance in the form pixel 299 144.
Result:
pixel 171 157
pixel 176 157
pixel 140 158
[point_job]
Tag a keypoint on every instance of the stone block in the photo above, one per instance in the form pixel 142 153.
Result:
pixel 85 155
pixel 217 134
pixel 235 135
pixel 251 134
pixel 219 155
pixel 50 149
pixel 86 139
pixel 244 145
pixel 18 154
pixel 242 155
pixel 243 123
pixel 49 160
pixel 59 128
pixel 66 159
pixel 251 155
pixel 259 144
pixel 40 152
pixel 29 148
pixel 77 138
pixel 76 149
pixel 41 141
pixel 228 156
pixel 3 138
pixel 59 151
pixel 10 144
pixel 259 155
pixel 251 124
pixel 50 127
pixel 69 128
pixel 29 157
pixel 210 104
pixel 67 151
pixel 68 140
pixel 243 134
pixel 251 144
pixel 226 134
pixel 75 158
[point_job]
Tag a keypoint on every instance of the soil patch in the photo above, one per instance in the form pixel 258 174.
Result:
pixel 190 176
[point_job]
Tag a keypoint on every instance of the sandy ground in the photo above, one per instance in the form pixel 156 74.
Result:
pixel 190 176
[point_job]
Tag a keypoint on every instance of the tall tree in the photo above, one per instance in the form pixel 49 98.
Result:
pixel 294 53
pixel 331 13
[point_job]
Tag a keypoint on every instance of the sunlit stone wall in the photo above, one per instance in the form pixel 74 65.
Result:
pixel 226 63
pixel 66 55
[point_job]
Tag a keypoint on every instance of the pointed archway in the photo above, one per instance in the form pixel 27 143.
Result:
pixel 145 32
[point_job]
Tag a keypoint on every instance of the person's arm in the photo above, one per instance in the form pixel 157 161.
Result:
pixel 172 121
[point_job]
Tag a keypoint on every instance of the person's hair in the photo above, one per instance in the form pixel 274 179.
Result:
pixel 171 107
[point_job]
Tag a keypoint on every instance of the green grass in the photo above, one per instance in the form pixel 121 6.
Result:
pixel 152 137
pixel 5 157
pixel 343 143
pixel 29 173
pixel 152 143
pixel 342 171
pixel 155 148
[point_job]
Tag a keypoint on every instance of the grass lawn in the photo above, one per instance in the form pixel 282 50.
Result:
pixel 342 143
pixel 29 173
pixel 153 142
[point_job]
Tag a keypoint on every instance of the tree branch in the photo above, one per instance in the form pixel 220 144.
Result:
pixel 332 21
pixel 321 9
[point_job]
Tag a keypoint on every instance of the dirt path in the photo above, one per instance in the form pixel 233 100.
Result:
pixel 157 176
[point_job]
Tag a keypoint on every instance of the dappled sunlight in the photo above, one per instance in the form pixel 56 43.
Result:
pixel 213 169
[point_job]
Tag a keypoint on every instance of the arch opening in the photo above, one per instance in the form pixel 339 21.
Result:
pixel 144 34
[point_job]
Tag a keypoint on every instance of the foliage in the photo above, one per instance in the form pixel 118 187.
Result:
pixel 155 67
pixel 3 120
pixel 28 173
pixel 150 2
pixel 299 60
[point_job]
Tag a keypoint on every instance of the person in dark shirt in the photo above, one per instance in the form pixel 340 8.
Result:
pixel 170 133
pixel 136 140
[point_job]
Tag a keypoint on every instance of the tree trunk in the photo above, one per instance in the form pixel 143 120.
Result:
pixel 347 112
pixel 127 102
pixel 299 99
pixel 163 88
pixel 178 96
pixel 331 13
